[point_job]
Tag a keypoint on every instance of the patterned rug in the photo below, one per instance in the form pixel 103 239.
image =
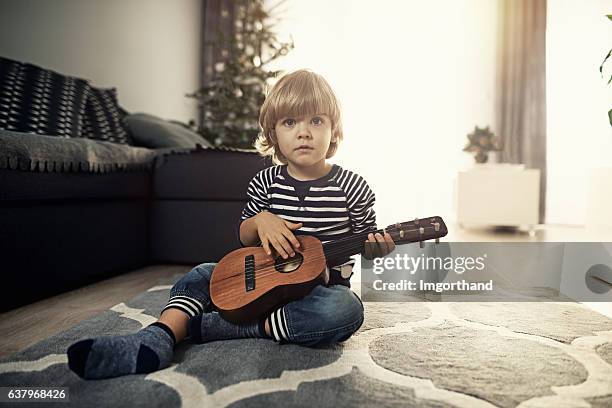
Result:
pixel 423 354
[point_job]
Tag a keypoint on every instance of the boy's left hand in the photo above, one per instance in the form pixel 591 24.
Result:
pixel 377 245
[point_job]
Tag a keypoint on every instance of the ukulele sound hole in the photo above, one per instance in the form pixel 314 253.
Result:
pixel 290 264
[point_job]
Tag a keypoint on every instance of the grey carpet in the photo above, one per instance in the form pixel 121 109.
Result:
pixel 423 354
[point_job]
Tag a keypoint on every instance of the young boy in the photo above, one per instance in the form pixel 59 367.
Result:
pixel 304 194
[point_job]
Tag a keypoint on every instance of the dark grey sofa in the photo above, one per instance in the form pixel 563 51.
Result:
pixel 88 190
pixel 63 229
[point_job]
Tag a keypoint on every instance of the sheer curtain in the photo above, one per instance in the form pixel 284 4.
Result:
pixel 521 107
pixel 578 37
pixel 413 78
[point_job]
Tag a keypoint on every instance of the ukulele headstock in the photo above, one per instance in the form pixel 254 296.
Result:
pixel 419 229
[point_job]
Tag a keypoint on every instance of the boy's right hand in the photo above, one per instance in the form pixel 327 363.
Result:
pixel 278 233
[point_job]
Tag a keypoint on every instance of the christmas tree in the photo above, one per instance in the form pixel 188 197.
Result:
pixel 235 90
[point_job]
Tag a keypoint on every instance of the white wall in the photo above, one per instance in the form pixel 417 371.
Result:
pixel 414 78
pixel 148 49
pixel 578 99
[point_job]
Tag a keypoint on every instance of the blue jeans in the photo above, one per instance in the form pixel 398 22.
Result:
pixel 328 314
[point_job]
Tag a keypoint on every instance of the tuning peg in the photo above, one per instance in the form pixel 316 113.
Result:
pixel 421 230
pixel 437 228
pixel 416 221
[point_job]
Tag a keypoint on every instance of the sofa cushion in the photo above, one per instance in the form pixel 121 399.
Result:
pixel 103 118
pixel 37 100
pixel 178 229
pixel 218 173
pixel 153 132
pixel 29 152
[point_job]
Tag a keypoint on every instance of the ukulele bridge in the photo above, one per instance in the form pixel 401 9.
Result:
pixel 249 272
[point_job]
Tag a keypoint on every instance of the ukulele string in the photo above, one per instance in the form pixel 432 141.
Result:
pixel 342 245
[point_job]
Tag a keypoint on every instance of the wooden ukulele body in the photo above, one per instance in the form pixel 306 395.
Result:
pixel 246 284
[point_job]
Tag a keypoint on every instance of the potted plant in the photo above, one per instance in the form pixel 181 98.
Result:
pixel 482 141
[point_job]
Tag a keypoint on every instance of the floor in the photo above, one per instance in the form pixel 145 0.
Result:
pixel 27 325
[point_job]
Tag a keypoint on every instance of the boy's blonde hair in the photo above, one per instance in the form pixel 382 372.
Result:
pixel 297 94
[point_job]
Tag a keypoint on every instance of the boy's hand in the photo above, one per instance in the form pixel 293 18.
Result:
pixel 377 245
pixel 278 233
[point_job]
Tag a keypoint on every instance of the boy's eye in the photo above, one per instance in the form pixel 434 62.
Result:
pixel 317 120
pixel 289 122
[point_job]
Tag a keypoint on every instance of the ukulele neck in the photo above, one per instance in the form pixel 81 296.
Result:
pixel 418 230
pixel 348 246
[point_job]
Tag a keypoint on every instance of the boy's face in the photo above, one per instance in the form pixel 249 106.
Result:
pixel 304 141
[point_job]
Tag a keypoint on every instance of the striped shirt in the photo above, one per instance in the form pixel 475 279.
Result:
pixel 334 206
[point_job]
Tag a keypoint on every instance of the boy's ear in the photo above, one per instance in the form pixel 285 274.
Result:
pixel 334 137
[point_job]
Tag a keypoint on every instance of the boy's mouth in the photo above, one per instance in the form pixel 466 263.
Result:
pixel 304 148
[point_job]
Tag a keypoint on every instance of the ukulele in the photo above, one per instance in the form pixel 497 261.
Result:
pixel 246 284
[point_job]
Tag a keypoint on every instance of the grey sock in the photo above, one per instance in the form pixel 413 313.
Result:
pixel 145 351
pixel 211 326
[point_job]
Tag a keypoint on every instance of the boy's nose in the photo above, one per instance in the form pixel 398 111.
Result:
pixel 303 131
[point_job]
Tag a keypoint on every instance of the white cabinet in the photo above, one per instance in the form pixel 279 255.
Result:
pixel 498 195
